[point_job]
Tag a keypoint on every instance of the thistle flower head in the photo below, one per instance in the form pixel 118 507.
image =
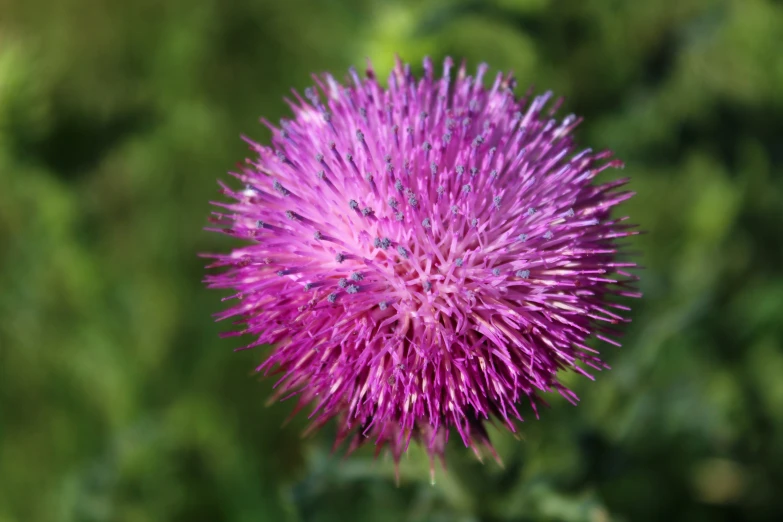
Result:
pixel 423 257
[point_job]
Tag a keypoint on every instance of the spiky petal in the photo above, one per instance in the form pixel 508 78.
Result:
pixel 423 257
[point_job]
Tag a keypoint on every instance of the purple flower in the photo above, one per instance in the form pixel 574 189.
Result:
pixel 423 257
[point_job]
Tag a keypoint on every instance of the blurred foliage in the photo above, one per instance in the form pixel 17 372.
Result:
pixel 120 403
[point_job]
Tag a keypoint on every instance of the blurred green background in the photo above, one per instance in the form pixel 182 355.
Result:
pixel 120 402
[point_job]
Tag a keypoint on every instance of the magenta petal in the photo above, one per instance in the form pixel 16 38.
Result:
pixel 423 257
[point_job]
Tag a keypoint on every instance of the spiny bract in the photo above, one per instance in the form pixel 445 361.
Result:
pixel 423 257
